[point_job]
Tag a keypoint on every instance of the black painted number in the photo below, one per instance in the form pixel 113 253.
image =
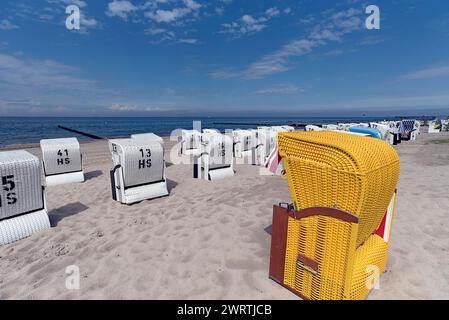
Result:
pixel 146 159
pixel 63 161
pixel 8 185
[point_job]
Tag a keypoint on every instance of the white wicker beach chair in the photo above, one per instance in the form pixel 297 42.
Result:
pixel 266 141
pixel 62 161
pixel 311 127
pixel 330 127
pixel 190 142
pixel 434 126
pixel 243 143
pixel 22 202
pixel 288 128
pixel 388 134
pixel 211 131
pixel 215 160
pixel 139 170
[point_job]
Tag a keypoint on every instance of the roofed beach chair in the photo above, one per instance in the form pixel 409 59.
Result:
pixel 215 160
pixel 311 127
pixel 243 143
pixel 332 242
pixel 62 161
pixel 330 127
pixel 386 132
pixel 407 130
pixel 261 146
pixel 444 125
pixel 190 142
pixel 211 131
pixel 22 201
pixel 289 128
pixel 266 137
pixel 139 170
pixel 283 128
pixel 148 137
pixel 434 126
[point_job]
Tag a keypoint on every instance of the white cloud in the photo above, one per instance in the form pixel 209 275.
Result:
pixel 248 25
pixel 174 14
pixel 39 73
pixel 122 107
pixel 329 30
pixel 121 9
pixel 188 41
pixel 168 16
pixel 272 12
pixel 117 107
pixel 427 73
pixel 225 73
pixel 279 89
pixel 5 24
pixel 191 4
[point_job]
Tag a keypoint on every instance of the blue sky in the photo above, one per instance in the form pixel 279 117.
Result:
pixel 223 57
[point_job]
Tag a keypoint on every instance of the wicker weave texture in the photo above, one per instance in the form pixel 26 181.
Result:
pixel 352 173
pixel 20 183
pixel 61 155
pixel 328 241
pixel 142 162
pixel 23 226
pixel 219 150
pixel 369 262
pixel 147 137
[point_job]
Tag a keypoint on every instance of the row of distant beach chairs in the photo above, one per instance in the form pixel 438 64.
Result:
pixel 139 166
pixel 392 132
pixel 138 173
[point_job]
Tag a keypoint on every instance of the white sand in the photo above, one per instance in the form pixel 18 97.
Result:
pixel 210 240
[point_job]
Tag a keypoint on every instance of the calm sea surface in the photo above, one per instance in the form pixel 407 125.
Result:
pixel 25 130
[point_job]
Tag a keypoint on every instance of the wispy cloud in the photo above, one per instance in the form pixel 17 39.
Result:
pixel 121 9
pixel 279 89
pixel 248 24
pixel 5 24
pixel 332 29
pixel 137 108
pixel 428 73
pixel 174 14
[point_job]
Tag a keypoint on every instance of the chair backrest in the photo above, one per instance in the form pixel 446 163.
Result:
pixel 330 127
pixel 61 156
pixel 211 131
pixel 383 129
pixel 245 138
pixel 191 139
pixel 406 126
pixel 349 172
pixel 310 127
pixel 148 137
pixel 20 183
pixel 142 162
pixel 218 149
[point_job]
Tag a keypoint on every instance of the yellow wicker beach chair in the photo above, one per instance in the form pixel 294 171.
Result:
pixel 324 245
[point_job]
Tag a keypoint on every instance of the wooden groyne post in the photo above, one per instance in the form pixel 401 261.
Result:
pixel 92 136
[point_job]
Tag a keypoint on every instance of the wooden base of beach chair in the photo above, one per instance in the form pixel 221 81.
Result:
pixel 313 254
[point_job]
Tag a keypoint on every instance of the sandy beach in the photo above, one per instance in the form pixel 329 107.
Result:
pixel 211 240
